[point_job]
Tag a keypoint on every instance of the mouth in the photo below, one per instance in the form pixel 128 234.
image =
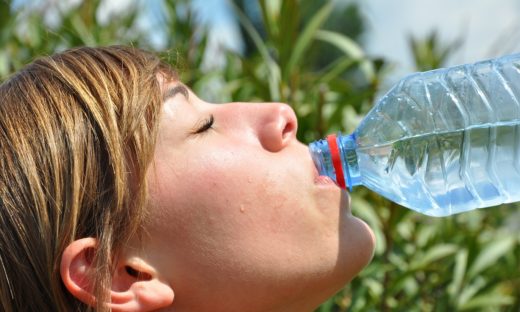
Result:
pixel 324 180
pixel 320 179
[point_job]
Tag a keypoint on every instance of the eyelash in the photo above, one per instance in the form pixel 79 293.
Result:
pixel 208 124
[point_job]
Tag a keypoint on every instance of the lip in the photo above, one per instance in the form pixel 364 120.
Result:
pixel 321 179
pixel 326 183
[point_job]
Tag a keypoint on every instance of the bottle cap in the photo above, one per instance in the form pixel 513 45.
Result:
pixel 336 160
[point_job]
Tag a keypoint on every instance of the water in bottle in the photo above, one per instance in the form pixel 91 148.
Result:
pixel 439 142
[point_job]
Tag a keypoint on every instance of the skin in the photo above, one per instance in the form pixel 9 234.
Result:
pixel 239 219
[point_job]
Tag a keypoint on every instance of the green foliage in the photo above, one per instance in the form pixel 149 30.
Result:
pixel 464 262
pixel 306 53
pixel 429 53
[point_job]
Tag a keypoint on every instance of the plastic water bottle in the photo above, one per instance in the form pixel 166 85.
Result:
pixel 439 142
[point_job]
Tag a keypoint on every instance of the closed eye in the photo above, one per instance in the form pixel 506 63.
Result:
pixel 206 125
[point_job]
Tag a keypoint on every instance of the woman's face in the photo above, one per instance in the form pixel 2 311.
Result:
pixel 240 218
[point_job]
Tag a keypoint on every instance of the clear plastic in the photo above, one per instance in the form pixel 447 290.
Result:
pixel 439 142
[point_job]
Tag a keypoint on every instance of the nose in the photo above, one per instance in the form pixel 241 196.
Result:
pixel 277 126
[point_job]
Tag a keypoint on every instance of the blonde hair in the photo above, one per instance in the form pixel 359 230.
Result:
pixel 77 132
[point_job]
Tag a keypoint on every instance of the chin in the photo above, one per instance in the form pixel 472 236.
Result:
pixel 370 241
pixel 357 245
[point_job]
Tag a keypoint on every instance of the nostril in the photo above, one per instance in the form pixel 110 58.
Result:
pixel 289 117
pixel 289 130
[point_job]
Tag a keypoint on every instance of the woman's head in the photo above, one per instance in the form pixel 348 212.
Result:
pixel 120 185
pixel 77 131
pixel 239 218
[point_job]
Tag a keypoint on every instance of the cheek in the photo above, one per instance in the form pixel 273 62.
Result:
pixel 226 195
pixel 203 219
pixel 201 192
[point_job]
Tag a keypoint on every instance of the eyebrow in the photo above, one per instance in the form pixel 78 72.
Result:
pixel 172 92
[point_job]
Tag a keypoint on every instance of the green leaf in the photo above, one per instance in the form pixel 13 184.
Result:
pixel 288 24
pixel 490 254
pixel 433 254
pixel 470 290
pixel 350 48
pixel 270 10
pixel 4 64
pixel 83 31
pixel 485 301
pixel 274 69
pixel 336 69
pixel 461 262
pixel 5 11
pixel 307 36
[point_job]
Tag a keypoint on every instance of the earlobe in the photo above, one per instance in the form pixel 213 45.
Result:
pixel 136 286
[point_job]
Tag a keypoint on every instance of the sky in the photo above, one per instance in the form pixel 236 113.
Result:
pixel 488 28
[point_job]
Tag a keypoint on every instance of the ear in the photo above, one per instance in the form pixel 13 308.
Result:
pixel 136 285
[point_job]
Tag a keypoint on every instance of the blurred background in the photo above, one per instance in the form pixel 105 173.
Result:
pixel 330 60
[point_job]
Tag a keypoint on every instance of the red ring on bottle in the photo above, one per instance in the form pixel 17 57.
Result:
pixel 336 160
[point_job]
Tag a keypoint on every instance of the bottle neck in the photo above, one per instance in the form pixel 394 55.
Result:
pixel 347 146
pixel 336 158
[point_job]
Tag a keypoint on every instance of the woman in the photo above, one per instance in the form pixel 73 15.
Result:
pixel 122 190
